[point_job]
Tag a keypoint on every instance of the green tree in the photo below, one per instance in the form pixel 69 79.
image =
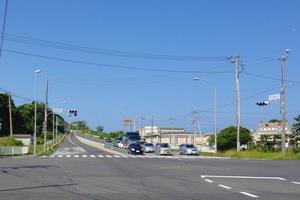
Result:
pixel 227 138
pixel 18 124
pixel 296 131
pixel 274 120
pixel 100 129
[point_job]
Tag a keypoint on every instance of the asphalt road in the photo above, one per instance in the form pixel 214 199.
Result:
pixel 101 175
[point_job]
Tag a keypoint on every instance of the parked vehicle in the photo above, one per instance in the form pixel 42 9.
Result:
pixel 188 149
pixel 163 149
pixel 135 148
pixel 148 148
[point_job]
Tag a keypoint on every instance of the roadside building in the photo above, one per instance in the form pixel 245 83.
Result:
pixel 270 134
pixel 172 136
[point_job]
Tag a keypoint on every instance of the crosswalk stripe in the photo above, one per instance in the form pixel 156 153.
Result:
pixel 68 156
pixel 100 156
pixel 76 156
pixel 124 156
pixel 84 156
pixel 92 156
pixel 60 156
pixel 116 156
pixel 108 156
pixel 52 156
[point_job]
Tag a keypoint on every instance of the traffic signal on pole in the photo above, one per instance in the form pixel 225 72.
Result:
pixel 73 112
pixel 263 103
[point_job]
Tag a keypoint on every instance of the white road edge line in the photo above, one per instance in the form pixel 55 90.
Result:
pixel 295 182
pixel 244 177
pixel 250 195
pixel 224 186
pixel 207 180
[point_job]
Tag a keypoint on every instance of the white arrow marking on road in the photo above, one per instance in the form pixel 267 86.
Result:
pixel 207 180
pixel 295 182
pixel 224 186
pixel 244 177
pixel 248 194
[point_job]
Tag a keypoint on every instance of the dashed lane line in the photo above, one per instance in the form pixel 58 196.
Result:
pixel 295 182
pixel 243 177
pixel 208 180
pixel 224 186
pixel 250 195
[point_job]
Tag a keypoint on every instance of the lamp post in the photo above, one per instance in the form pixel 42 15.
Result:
pixel 215 106
pixel 36 72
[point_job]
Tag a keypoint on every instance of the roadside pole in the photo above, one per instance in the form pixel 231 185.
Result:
pixel 10 116
pixel 46 116
pixel 282 103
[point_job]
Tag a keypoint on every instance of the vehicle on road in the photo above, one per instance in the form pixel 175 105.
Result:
pixel 135 148
pixel 188 149
pixel 117 141
pixel 130 137
pixel 148 148
pixel 163 149
pixel 108 140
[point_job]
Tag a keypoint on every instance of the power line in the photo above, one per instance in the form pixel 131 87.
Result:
pixel 3 27
pixel 112 66
pixel 269 77
pixel 108 52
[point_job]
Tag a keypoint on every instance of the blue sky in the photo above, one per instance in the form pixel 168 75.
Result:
pixel 258 31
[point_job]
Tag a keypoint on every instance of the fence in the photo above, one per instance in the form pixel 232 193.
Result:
pixel 13 150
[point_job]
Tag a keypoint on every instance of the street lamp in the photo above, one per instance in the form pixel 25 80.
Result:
pixel 36 72
pixel 215 106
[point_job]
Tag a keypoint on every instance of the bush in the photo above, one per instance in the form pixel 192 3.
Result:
pixel 7 141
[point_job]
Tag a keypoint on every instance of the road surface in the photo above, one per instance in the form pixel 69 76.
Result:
pixel 78 171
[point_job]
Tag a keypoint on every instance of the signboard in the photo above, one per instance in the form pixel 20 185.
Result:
pixel 127 122
pixel 274 97
pixel 58 110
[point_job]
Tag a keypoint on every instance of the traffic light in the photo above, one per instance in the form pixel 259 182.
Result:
pixel 73 112
pixel 263 103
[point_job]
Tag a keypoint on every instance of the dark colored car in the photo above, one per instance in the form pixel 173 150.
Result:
pixel 135 148
pixel 108 140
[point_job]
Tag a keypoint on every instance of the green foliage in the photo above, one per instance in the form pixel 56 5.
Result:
pixel 8 141
pixel 274 120
pixel 100 129
pixel 227 138
pixel 296 132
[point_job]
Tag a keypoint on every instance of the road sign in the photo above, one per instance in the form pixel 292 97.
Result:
pixel 274 97
pixel 127 122
pixel 44 126
pixel 58 110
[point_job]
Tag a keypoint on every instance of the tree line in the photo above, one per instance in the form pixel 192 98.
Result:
pixel 23 117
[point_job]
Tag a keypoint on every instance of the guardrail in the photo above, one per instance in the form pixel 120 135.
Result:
pixel 13 150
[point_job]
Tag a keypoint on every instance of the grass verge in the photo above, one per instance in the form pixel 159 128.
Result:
pixel 256 155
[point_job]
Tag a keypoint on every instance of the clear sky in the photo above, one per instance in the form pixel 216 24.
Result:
pixel 257 31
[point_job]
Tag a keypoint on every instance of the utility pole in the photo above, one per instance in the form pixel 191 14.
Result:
pixel 53 126
pixel 282 102
pixel 195 119
pixel 10 116
pixel 235 60
pixel 46 116
pixel 152 129
pixel 56 124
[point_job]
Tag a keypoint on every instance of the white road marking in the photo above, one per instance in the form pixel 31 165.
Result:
pixel 52 156
pixel 250 195
pixel 207 180
pixel 108 156
pixel 124 156
pixel 244 177
pixel 60 156
pixel 100 156
pixel 224 186
pixel 76 156
pixel 92 156
pixel 43 156
pixel 84 156
pixel 139 156
pixel 68 156
pixel 295 182
pixel 116 156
